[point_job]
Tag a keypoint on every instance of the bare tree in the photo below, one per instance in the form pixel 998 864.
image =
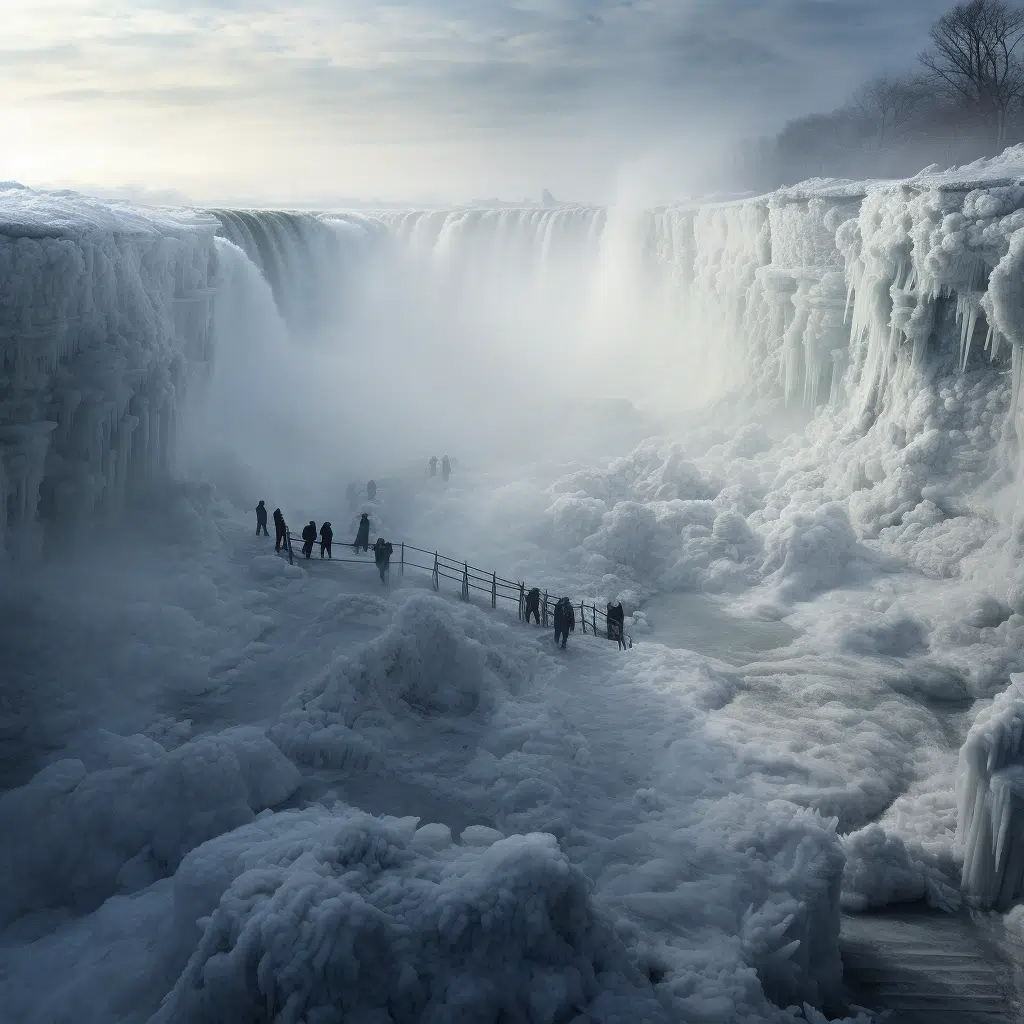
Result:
pixel 888 105
pixel 974 58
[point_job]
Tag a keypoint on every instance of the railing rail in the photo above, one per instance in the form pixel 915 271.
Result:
pixel 470 578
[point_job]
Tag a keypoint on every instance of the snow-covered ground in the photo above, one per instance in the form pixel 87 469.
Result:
pixel 238 789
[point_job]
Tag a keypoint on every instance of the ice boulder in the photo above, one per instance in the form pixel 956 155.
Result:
pixel 320 915
pixel 990 799
pixel 71 836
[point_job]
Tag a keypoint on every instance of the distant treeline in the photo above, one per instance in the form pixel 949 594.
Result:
pixel 963 100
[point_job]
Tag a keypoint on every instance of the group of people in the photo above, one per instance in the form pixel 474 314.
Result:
pixel 565 618
pixel 565 615
pixel 446 467
pixel 382 549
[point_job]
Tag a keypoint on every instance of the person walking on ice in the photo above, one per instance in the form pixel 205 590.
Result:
pixel 261 519
pixel 308 538
pixel 362 534
pixel 446 468
pixel 565 621
pixel 326 537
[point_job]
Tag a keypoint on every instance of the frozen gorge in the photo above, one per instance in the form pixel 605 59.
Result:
pixel 236 789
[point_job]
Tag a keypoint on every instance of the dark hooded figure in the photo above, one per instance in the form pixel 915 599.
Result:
pixel 362 534
pixel 278 529
pixel 432 466
pixel 565 620
pixel 371 490
pixel 308 538
pixel 616 622
pixel 446 468
pixel 326 536
pixel 261 519
pixel 533 605
pixel 382 550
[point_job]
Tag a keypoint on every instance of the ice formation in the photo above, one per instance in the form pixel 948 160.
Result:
pixel 990 819
pixel 672 835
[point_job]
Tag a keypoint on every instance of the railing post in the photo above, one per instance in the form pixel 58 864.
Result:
pixel 522 599
pixel 494 590
pixel 544 616
pixel 401 568
pixel 434 578
pixel 465 581
pixel 593 617
pixel 583 618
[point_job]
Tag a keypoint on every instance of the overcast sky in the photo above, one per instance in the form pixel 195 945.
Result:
pixel 285 100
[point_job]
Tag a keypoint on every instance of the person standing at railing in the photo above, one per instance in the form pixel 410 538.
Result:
pixel 565 621
pixel 616 623
pixel 308 538
pixel 261 519
pixel 533 605
pixel 362 534
pixel 382 551
pixel 326 537
pixel 446 468
pixel 278 529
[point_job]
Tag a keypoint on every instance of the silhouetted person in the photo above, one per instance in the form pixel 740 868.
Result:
pixel 261 519
pixel 533 605
pixel 432 466
pixel 362 534
pixel 446 468
pixel 616 622
pixel 565 620
pixel 326 536
pixel 278 529
pixel 308 538
pixel 382 550
pixel 371 490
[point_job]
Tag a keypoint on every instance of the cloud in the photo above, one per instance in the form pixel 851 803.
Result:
pixel 460 70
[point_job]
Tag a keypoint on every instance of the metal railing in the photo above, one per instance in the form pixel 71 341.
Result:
pixel 470 578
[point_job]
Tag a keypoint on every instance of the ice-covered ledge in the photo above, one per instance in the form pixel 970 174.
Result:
pixel 990 797
pixel 105 316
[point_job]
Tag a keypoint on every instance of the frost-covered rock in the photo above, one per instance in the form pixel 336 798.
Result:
pixel 314 915
pixel 75 834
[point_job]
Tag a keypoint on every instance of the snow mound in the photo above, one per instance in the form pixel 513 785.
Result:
pixel 808 552
pixel 990 798
pixel 425 663
pixel 317 916
pixel 881 869
pixel 127 812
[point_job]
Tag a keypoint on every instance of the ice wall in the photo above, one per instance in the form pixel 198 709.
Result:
pixel 105 321
pixel 990 797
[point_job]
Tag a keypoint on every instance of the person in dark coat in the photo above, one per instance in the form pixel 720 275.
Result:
pixel 326 536
pixel 308 538
pixel 446 468
pixel 261 519
pixel 362 534
pixel 565 620
pixel 382 550
pixel 616 623
pixel 432 466
pixel 278 529
pixel 371 490
pixel 533 605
